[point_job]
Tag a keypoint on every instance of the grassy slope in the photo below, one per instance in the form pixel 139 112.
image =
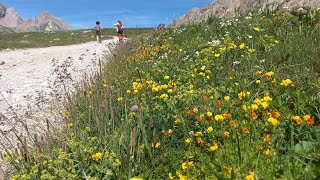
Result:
pixel 59 38
pixel 212 101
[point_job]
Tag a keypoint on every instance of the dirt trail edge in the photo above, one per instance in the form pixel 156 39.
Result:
pixel 33 83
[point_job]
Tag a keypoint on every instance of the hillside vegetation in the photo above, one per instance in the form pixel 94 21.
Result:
pixel 60 38
pixel 235 99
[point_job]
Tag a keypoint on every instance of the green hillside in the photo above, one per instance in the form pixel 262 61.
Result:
pixel 228 99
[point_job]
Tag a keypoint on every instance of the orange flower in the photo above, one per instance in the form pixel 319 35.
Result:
pixel 245 130
pixel 259 147
pixel 208 118
pixel 199 118
pixel 226 115
pixel 299 121
pixel 190 112
pixel 275 115
pixel 218 102
pixel 232 123
pixel 311 121
pixel 254 116
pixel 200 141
pixel 267 139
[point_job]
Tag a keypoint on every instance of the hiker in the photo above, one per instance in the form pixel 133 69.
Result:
pixel 160 26
pixel 119 28
pixel 98 29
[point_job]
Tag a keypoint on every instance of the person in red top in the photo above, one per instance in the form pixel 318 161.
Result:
pixel 119 27
pixel 98 29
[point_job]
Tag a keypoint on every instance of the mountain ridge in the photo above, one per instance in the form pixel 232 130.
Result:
pixel 10 21
pixel 229 8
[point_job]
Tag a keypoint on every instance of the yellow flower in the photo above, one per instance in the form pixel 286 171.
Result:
pixel 155 89
pixel 157 145
pixel 306 117
pixel 177 121
pixel 128 91
pixel 254 107
pixel 216 55
pixel 272 120
pixel 97 156
pixel 136 178
pixel 185 165
pixel 258 81
pixel 195 110
pixel 210 129
pixel 267 98
pixel 169 133
pixel 214 147
pixel 209 113
pixel 135 91
pixel 165 86
pixel 198 134
pixel 244 107
pixel 70 124
pixel 251 50
pixel 226 134
pixel 166 77
pixel 257 101
pixel 66 114
pixel 257 29
pixel 188 140
pixel 164 96
pixel 218 117
pixel 104 85
pixel 227 98
pixel 265 105
pixel 90 92
pixel 258 72
pixel 250 176
pixel 276 41
pixel 242 46
pixel 269 74
pixel 170 91
pixel 286 82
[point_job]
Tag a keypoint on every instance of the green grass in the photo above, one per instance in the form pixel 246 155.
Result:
pixel 60 38
pixel 230 99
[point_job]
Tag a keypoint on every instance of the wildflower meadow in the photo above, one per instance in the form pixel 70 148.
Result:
pixel 225 99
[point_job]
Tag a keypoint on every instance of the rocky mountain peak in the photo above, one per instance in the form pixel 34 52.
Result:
pixel 3 10
pixel 228 8
pixel 10 18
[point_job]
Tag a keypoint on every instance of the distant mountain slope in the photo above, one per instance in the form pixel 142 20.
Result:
pixel 227 8
pixel 10 20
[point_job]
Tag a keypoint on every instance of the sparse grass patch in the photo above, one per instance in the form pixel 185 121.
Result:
pixel 59 38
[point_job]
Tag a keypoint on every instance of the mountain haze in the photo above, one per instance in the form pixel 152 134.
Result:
pixel 10 21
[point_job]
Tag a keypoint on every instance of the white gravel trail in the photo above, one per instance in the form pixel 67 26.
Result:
pixel 31 84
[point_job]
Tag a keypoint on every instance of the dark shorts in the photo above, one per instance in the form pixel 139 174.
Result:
pixel 98 33
pixel 120 32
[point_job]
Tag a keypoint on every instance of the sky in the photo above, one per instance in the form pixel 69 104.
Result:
pixel 82 14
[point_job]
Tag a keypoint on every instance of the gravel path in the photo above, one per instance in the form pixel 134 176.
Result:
pixel 33 82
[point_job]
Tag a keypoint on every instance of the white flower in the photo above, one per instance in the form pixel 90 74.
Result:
pixel 235 62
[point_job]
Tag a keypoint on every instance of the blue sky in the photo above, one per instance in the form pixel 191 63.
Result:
pixel 82 14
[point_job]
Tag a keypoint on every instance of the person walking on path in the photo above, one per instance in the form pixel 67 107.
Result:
pixel 119 27
pixel 98 29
